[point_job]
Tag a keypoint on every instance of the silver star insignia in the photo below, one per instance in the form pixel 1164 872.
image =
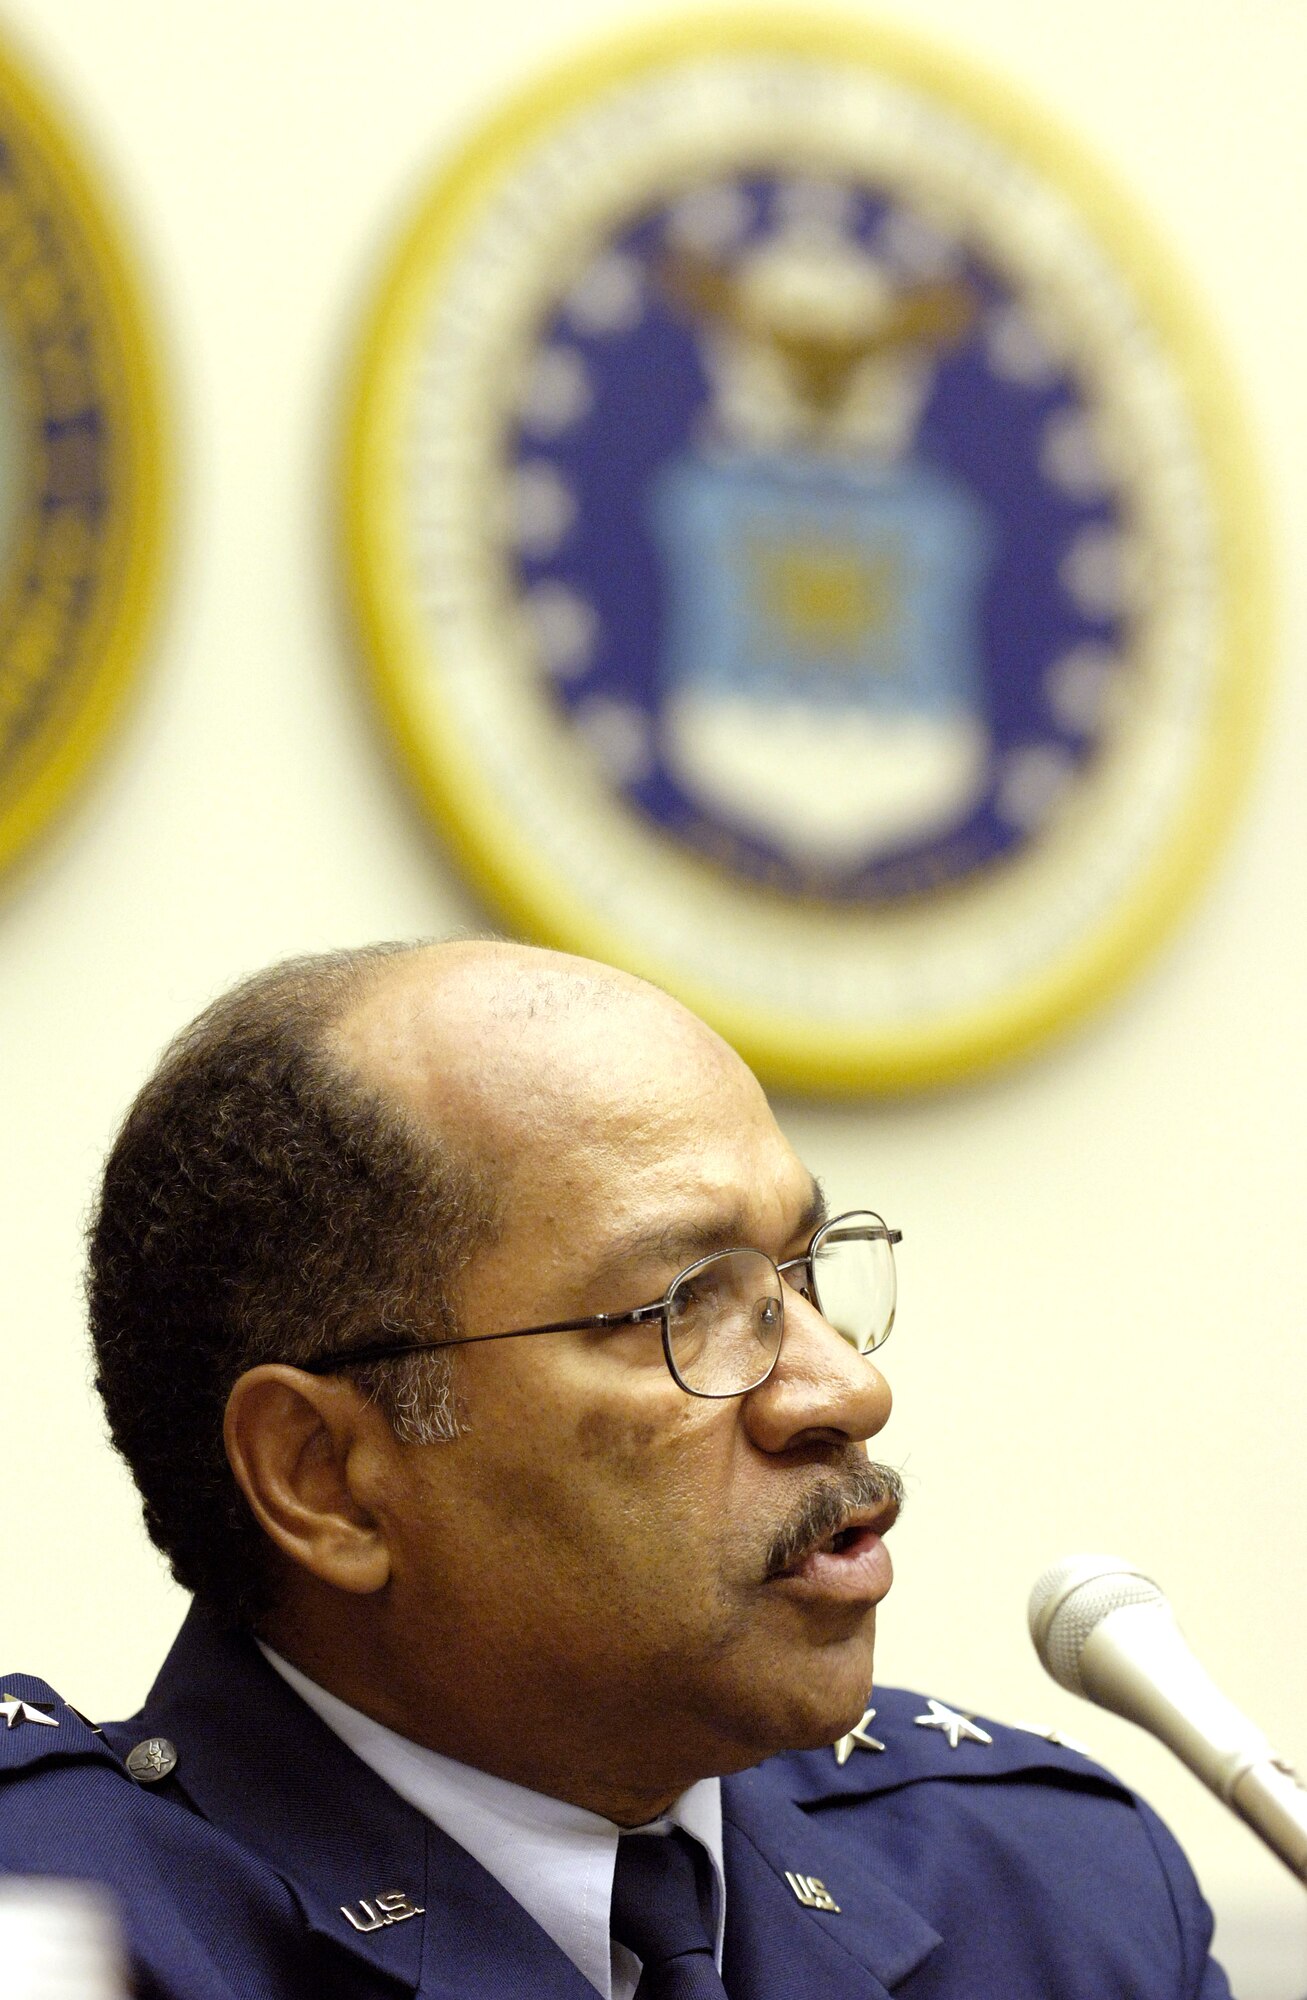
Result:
pixel 14 1709
pixel 857 1739
pixel 956 1727
pixel 1055 1736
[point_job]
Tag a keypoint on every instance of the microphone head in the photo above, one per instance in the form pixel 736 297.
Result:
pixel 1070 1599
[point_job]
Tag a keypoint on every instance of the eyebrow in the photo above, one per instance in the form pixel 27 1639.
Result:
pixel 681 1243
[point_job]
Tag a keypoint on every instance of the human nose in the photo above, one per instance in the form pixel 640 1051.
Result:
pixel 821 1391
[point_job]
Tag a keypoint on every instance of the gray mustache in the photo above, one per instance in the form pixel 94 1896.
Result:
pixel 824 1510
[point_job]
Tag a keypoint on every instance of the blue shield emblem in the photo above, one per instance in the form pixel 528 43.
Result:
pixel 820 683
pixel 815 549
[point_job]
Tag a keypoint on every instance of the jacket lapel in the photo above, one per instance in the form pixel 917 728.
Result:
pixel 256 1761
pixel 480 1942
pixel 777 1942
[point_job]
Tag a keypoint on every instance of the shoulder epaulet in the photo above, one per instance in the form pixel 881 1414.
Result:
pixel 38 1727
pixel 904 1738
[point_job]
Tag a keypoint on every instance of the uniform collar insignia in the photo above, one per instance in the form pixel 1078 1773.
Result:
pixel 14 1710
pixel 811 1892
pixel 912 1755
pixel 956 1727
pixel 863 1952
pixel 388 1906
pixel 1057 1736
pixel 857 1739
pixel 234 1721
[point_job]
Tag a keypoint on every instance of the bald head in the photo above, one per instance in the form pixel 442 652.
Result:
pixel 399 1144
pixel 513 1050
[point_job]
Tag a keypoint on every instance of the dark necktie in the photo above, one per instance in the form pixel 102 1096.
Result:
pixel 658 1914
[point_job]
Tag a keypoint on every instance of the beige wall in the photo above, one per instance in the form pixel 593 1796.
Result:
pixel 1101 1339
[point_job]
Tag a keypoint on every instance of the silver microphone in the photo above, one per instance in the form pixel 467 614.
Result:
pixel 1104 1630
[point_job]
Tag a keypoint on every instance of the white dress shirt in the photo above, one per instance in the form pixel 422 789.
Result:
pixel 555 1859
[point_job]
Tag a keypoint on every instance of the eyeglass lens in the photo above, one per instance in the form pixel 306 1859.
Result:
pixel 724 1321
pixel 853 1274
pixel 725 1315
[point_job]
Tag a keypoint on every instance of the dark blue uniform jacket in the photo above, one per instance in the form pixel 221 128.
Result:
pixel 1010 1871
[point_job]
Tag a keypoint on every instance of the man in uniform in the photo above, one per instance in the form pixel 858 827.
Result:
pixel 496 1381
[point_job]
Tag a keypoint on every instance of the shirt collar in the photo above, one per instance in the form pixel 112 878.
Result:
pixel 555 1859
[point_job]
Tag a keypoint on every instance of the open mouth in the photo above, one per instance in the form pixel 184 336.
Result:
pixel 832 1545
pixel 851 1564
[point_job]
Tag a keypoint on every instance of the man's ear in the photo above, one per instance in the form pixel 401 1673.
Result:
pixel 309 1455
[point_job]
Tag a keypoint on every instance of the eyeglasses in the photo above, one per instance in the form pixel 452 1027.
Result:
pixel 723 1318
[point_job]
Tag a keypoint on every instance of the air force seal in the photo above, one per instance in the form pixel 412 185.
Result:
pixel 79 482
pixel 803 549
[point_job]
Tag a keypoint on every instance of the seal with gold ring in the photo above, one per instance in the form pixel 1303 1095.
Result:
pixel 805 548
pixel 79 466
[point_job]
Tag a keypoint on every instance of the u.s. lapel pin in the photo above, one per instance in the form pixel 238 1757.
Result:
pixel 391 1906
pixel 813 1895
pixel 857 1739
pixel 957 1728
pixel 14 1710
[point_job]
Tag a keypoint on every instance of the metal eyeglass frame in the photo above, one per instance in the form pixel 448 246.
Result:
pixel 356 1357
